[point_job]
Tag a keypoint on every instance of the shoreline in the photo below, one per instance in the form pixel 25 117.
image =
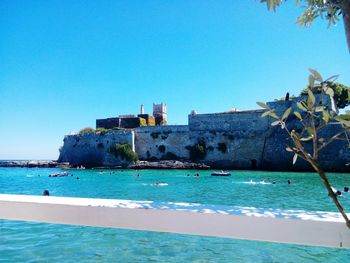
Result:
pixel 165 164
pixel 143 165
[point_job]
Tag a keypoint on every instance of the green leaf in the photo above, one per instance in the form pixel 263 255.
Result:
pixel 286 113
pixel 295 157
pixel 330 92
pixel 342 121
pixel 275 123
pixel 309 131
pixel 311 81
pixel 288 149
pixel 332 78
pixel 319 108
pixel 266 113
pixel 305 139
pixel 316 75
pixel 311 98
pixel 298 115
pixel 325 115
pixel 263 105
pixel 273 115
pixel 301 106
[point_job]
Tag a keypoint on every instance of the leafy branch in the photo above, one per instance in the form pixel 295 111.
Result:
pixel 312 118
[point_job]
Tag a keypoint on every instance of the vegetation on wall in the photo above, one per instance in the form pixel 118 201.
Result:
pixel 197 151
pixel 123 151
pixel 87 130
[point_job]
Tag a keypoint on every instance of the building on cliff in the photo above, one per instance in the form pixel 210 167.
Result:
pixel 132 121
pixel 236 140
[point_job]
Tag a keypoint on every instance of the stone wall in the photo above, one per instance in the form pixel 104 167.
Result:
pixel 162 142
pixel 91 149
pixel 242 121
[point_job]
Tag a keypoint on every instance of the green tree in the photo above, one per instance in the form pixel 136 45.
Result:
pixel 325 9
pixel 124 151
pixel 307 144
pixel 341 93
pixel 87 130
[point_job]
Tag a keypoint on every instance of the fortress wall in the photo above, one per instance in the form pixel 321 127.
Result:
pixel 92 149
pixel 162 142
pixel 242 121
pixel 236 149
pixel 239 140
pixel 240 147
pixel 334 157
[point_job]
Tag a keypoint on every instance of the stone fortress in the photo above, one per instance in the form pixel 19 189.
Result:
pixel 132 121
pixel 232 140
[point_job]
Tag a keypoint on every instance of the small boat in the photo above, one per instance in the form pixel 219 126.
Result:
pixel 63 174
pixel 222 173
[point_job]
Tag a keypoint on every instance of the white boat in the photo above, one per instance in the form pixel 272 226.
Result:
pixel 62 174
pixel 222 173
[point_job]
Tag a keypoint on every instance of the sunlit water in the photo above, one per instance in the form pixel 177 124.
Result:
pixel 34 242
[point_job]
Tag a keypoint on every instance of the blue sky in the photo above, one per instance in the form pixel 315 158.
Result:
pixel 65 63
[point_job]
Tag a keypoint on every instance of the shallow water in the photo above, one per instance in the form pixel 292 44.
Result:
pixel 37 242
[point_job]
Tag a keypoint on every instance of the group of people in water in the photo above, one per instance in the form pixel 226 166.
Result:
pixel 195 175
pixel 339 193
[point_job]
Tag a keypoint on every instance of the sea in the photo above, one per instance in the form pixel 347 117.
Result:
pixel 41 242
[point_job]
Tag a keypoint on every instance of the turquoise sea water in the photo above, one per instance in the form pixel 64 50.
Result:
pixel 37 242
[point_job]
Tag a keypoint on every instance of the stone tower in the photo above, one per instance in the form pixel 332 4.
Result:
pixel 142 109
pixel 160 113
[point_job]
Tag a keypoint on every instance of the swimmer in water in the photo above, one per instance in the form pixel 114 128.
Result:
pixel 338 193
pixel 346 189
pixel 46 193
pixel 289 181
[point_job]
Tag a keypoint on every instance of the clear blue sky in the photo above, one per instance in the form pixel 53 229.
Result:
pixel 65 63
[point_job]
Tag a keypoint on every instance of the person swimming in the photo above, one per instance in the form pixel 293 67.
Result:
pixel 46 193
pixel 289 181
pixel 346 189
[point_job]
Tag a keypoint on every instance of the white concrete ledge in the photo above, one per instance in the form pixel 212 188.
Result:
pixel 273 225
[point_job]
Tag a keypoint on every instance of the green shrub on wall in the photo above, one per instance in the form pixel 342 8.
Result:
pixel 86 130
pixel 102 130
pixel 197 151
pixel 124 151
